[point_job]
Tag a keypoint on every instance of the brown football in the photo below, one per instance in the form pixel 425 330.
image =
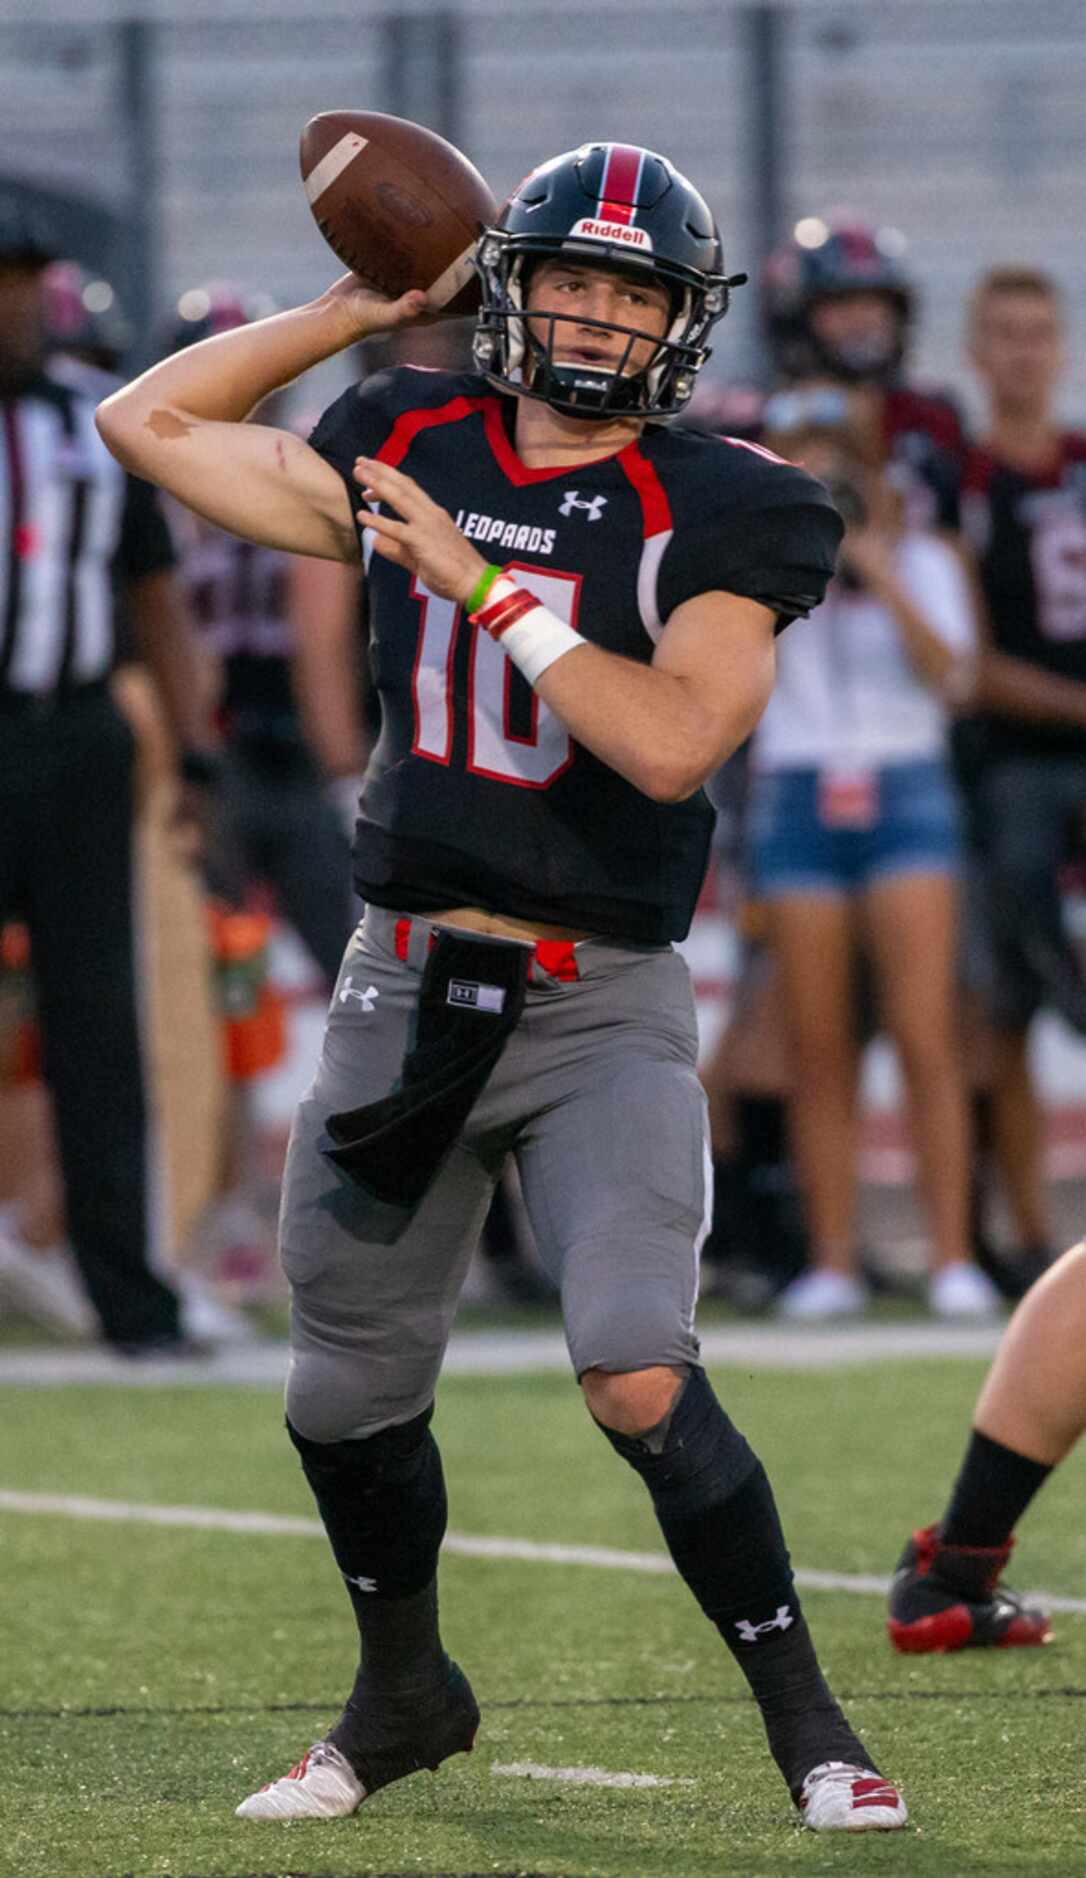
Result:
pixel 398 205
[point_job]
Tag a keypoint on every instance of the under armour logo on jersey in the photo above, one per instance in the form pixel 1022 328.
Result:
pixel 364 1584
pixel 367 999
pixel 751 1632
pixel 594 506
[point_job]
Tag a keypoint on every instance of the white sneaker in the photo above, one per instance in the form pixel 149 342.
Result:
pixel 820 1295
pixel 42 1284
pixel 962 1291
pixel 322 1786
pixel 839 1797
pixel 204 1317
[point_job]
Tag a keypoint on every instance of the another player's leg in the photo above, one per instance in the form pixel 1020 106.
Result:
pixel 946 1593
pixel 374 1292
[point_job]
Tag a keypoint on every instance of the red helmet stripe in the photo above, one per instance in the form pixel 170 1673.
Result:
pixel 618 189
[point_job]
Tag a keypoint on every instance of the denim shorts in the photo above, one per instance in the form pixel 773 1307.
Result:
pixel 914 826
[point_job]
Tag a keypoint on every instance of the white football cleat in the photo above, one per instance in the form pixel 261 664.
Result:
pixel 322 1786
pixel 838 1796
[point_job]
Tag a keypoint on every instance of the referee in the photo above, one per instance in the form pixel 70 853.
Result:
pixel 77 538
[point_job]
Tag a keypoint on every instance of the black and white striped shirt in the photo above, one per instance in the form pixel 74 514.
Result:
pixel 72 526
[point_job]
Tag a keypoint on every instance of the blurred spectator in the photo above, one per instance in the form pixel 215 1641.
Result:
pixel 273 823
pixel 1023 756
pixel 80 535
pixel 855 847
pixel 839 310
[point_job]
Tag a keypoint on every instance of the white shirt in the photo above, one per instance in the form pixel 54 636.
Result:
pixel 846 694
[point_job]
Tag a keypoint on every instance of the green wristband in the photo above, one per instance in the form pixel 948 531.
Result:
pixel 477 596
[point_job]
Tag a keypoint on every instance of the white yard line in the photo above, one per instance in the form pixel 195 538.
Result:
pixel 463 1545
pixel 585 1776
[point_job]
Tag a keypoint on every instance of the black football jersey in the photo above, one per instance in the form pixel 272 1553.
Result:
pixel 476 795
pixel 925 442
pixel 238 594
pixel 1029 536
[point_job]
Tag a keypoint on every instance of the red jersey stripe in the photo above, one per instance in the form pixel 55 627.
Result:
pixel 410 423
pixel 655 507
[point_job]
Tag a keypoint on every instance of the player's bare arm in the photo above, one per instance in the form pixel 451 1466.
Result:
pixel 183 424
pixel 665 727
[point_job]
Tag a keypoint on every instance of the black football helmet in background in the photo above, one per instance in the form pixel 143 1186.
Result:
pixel 607 205
pixel 83 317
pixel 836 258
pixel 215 307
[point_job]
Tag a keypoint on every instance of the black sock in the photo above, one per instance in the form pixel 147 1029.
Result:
pixel 717 1513
pixel 383 1505
pixel 991 1493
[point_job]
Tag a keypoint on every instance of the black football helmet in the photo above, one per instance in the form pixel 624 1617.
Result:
pixel 828 260
pixel 615 206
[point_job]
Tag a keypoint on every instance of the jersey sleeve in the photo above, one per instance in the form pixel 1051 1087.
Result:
pixel 145 545
pixel 357 424
pixel 777 545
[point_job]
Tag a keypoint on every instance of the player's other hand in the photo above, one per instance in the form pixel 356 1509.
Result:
pixel 421 535
pixel 369 312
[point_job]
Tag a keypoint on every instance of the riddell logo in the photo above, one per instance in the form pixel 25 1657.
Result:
pixel 629 236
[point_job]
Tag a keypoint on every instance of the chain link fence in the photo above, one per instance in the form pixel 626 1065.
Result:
pixel 960 122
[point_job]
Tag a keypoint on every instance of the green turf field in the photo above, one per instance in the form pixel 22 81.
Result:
pixel 153 1676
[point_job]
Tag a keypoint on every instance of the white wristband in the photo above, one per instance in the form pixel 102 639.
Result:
pixel 534 638
pixel 537 640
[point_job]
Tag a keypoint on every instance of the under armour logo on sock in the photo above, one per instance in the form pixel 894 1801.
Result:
pixel 367 999
pixel 751 1632
pixel 594 506
pixel 370 1584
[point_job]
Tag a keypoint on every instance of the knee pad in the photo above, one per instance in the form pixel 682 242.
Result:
pixel 394 1455
pixel 695 1457
pixel 383 1503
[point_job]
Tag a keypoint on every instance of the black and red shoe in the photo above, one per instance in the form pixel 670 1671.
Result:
pixel 948 1597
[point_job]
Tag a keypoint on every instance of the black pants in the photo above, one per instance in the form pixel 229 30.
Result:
pixel 272 822
pixel 1029 811
pixel 66 870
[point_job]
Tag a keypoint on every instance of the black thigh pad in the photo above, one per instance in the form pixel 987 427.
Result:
pixel 471 999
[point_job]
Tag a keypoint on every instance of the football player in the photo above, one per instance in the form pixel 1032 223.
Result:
pixel 1023 507
pixel 573 612
pixel 839 306
pixel 946 1593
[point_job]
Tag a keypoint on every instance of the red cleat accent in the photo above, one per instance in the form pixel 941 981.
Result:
pixel 951 1629
pixel 949 1597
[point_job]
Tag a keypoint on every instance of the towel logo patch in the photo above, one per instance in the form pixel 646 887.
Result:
pixel 476 997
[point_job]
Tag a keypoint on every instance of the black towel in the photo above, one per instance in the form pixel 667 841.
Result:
pixel 472 996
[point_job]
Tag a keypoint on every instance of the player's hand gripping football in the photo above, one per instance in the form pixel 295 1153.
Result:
pixel 367 311
pixel 425 539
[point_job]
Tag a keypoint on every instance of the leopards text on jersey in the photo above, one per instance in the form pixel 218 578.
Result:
pixel 476 794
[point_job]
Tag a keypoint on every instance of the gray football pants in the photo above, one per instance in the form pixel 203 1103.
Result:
pixel 597 1098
